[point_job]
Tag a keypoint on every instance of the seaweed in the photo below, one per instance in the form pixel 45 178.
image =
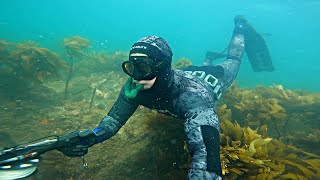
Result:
pixel 260 106
pixel 77 46
pixel 104 62
pixel 3 46
pixel 26 65
pixel 245 153
pixel 309 141
pixel 182 63
pixel 289 113
pixel 28 60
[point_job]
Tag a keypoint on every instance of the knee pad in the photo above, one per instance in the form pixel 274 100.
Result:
pixel 211 139
pixel 198 174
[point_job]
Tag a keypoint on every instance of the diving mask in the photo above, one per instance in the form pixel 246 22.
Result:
pixel 142 68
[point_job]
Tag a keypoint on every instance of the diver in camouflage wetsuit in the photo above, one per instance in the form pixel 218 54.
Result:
pixel 190 95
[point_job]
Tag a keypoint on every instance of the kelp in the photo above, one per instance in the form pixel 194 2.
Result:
pixel 76 45
pixel 103 62
pixel 242 149
pixel 25 66
pixel 29 61
pixel 3 46
pixel 182 63
pixel 292 150
pixel 310 141
pixel 285 111
pixel 245 153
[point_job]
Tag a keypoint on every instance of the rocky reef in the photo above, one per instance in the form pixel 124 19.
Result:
pixel 266 132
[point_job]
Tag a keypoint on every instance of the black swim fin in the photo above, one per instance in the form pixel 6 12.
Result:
pixel 255 47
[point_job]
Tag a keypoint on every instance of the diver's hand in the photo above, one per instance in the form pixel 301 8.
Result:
pixel 79 144
pixel 75 151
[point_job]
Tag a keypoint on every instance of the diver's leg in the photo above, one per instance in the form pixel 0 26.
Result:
pixel 204 146
pixel 211 56
pixel 235 52
pixel 232 64
pixel 207 62
pixel 227 71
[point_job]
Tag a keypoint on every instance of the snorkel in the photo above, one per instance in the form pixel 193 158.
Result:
pixel 131 89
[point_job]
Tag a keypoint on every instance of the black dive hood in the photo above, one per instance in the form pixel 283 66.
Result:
pixel 157 49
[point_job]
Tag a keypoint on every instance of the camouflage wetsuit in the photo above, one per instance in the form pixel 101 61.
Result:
pixel 187 97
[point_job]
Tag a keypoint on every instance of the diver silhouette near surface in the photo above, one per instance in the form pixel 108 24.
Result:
pixel 190 94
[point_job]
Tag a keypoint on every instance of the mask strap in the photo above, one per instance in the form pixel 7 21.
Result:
pixel 129 92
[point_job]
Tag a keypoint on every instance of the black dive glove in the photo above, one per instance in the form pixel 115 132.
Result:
pixel 78 143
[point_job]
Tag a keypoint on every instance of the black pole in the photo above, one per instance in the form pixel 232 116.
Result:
pixel 70 71
pixel 92 97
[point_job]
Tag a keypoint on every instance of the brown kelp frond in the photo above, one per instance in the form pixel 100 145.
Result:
pixel 284 111
pixel 76 42
pixel 3 45
pixel 309 141
pixel 233 131
pixel 35 61
pixel 245 153
pixel 24 67
pixel 297 161
pixel 182 63
pixel 103 61
pixel 76 45
pixel 243 150
pixel 27 60
pixel 26 44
